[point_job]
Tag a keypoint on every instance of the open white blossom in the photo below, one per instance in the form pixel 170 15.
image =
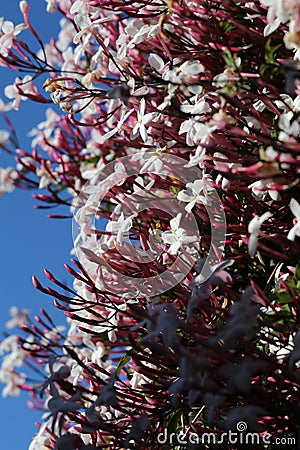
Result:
pixel 11 90
pixel 196 132
pixel 177 236
pixel 196 192
pixel 195 105
pixel 9 32
pixel 7 178
pixel 142 120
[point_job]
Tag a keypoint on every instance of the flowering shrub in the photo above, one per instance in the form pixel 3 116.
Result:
pixel 173 141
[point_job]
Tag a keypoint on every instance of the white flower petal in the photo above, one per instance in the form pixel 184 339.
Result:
pixel 168 237
pixel 198 186
pixel 295 231
pixel 174 223
pixel 193 69
pixel 175 247
pixel 75 7
pixel 156 62
pixel 264 217
pixel 142 107
pixel 295 208
pixel 186 126
pixel 190 206
pixel 252 244
pixel 254 225
pixel 143 132
pixel 9 91
pixel 271 27
pixel 83 21
pixel 8 27
pixel 189 239
pixel 184 197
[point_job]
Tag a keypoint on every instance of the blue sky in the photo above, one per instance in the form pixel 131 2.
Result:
pixel 30 241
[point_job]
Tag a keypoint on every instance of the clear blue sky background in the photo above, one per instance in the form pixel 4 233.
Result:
pixel 29 240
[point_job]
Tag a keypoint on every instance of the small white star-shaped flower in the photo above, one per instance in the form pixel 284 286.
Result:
pixel 177 236
pixel 142 120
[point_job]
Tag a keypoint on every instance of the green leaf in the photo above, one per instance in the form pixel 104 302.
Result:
pixel 286 312
pixel 173 422
pixel 284 298
pixel 297 274
pixel 92 159
pixel 226 26
pixel 270 52
pixel 229 58
pixel 291 283
pixel 142 71
pixel 60 189
pixel 174 190
pixel 123 361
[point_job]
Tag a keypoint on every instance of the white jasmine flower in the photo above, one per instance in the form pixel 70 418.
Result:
pixel 177 236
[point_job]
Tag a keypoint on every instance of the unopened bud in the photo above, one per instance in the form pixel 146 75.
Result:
pixel 24 7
